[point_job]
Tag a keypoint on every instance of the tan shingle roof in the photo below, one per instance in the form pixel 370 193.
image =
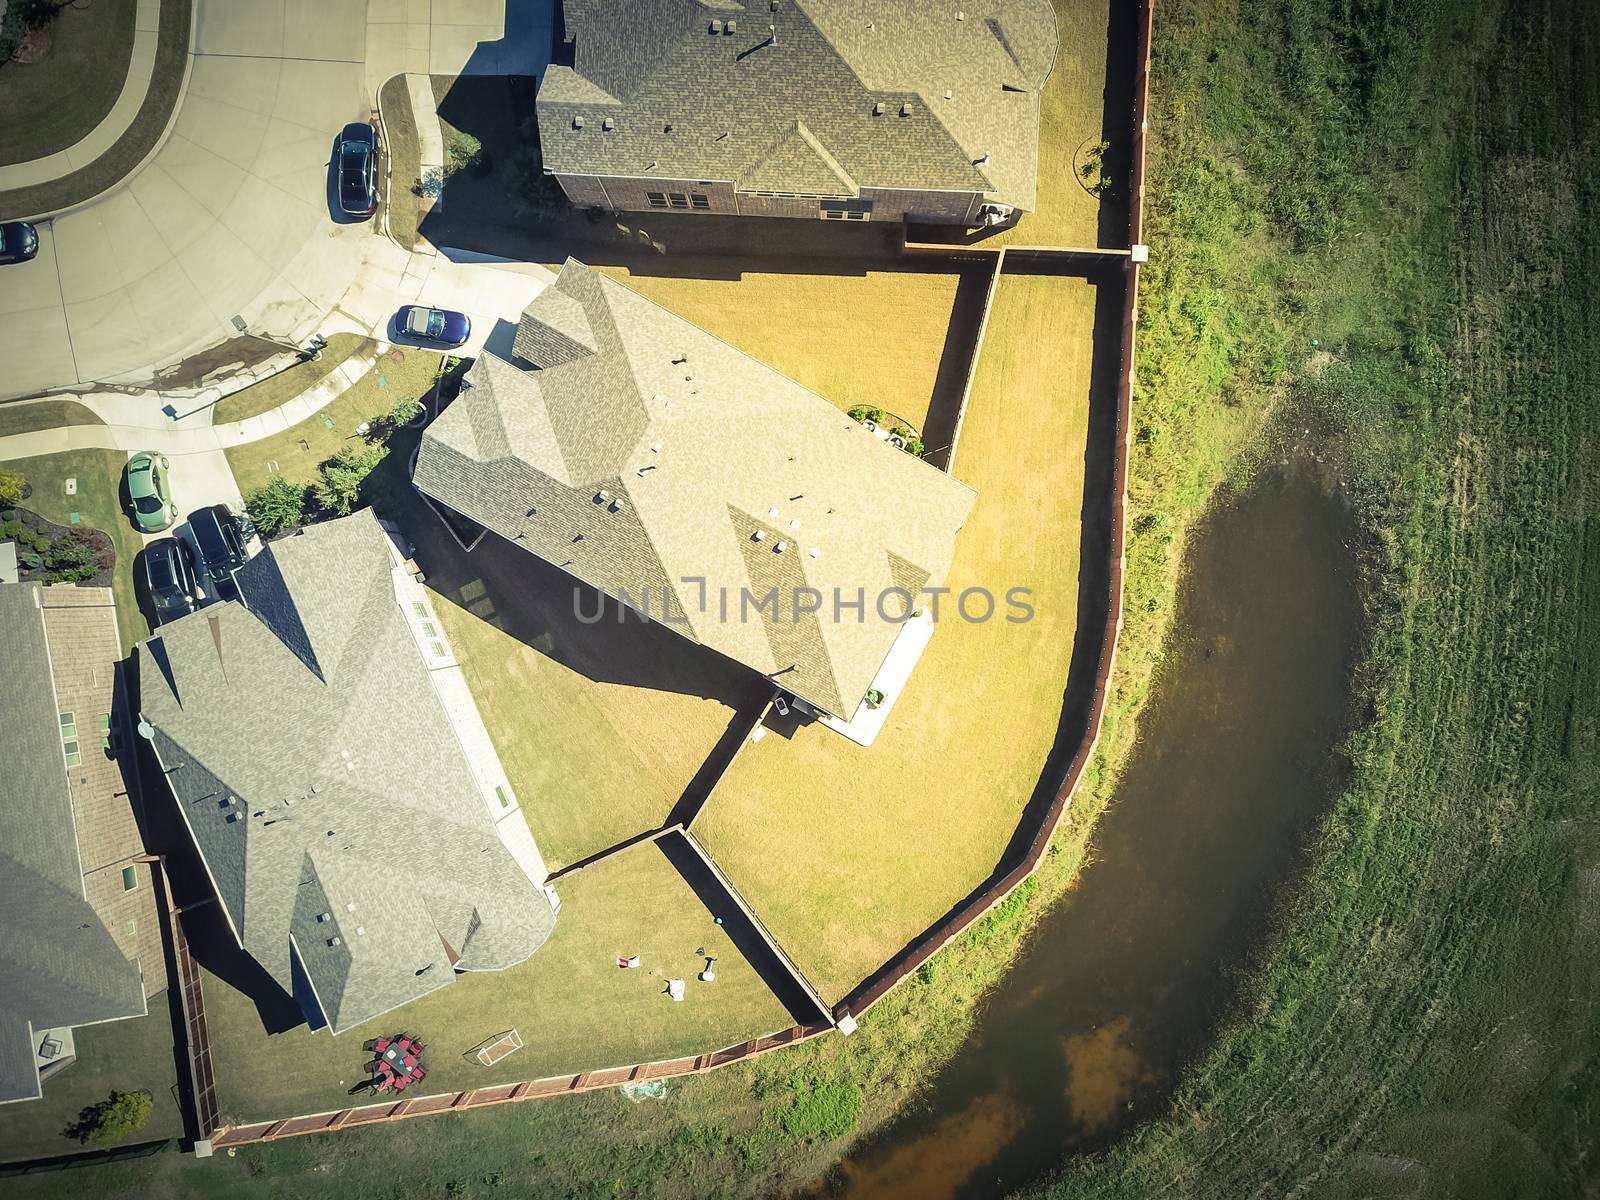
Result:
pixel 657 459
pixel 733 101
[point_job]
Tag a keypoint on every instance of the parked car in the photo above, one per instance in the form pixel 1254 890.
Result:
pixel 438 325
pixel 221 540
pixel 167 567
pixel 355 162
pixel 19 241
pixel 149 492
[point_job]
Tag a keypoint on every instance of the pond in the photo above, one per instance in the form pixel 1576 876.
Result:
pixel 1125 980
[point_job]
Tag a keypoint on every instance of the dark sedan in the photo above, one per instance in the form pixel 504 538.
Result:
pixel 437 325
pixel 355 163
pixel 19 241
pixel 167 568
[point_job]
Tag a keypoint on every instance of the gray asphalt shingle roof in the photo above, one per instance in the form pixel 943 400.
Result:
pixel 817 110
pixel 58 963
pixel 324 786
pixel 659 455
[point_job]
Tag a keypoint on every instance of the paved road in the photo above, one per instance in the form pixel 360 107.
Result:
pixel 231 220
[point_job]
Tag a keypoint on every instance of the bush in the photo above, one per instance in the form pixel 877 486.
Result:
pixel 865 412
pixel 463 153
pixel 276 505
pixel 41 544
pixel 114 1118
pixel 338 490
pixel 10 529
pixel 30 559
pixel 10 488
pixel 70 552
pixel 530 192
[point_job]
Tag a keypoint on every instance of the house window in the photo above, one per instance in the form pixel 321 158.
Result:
pixel 69 739
pixel 678 199
pixel 106 738
pixel 657 199
pixel 438 649
pixel 418 607
pixel 505 801
pixel 429 629
pixel 130 879
pixel 699 200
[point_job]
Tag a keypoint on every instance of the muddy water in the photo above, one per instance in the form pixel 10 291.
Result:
pixel 1126 978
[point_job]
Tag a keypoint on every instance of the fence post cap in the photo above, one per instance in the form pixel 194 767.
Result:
pixel 846 1024
pixel 1140 252
pixel 202 1148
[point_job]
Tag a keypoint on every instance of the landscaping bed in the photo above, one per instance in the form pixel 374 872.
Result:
pixel 51 553
pixel 52 103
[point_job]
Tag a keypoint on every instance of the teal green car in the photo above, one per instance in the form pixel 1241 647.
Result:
pixel 149 496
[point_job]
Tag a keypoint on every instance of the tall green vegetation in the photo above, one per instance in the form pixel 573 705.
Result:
pixel 1416 188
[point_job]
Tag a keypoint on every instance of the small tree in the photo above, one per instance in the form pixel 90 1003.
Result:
pixel 11 485
pixel 464 153
pixel 276 505
pixel 338 489
pixel 530 192
pixel 112 1119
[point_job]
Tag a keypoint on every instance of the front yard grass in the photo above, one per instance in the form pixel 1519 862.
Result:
pixel 575 1009
pixel 299 450
pixel 847 853
pixel 279 389
pixel 124 1056
pixel 877 338
pixel 44 414
pixel 97 503
pixel 50 105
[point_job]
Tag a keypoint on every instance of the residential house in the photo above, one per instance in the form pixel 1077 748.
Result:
pixel 337 781
pixel 80 935
pixel 847 110
pixel 660 465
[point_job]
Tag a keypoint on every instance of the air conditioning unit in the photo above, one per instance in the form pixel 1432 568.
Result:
pixel 870 425
pixel 898 442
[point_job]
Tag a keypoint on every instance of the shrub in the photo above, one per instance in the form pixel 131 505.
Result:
pixel 10 529
pixel 866 412
pixel 70 552
pixel 114 1118
pixel 464 152
pixel 338 490
pixel 41 543
pixel 29 558
pixel 10 488
pixel 276 505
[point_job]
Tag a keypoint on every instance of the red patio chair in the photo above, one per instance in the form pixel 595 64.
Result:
pixel 409 1061
pixel 381 1045
pixel 418 1075
pixel 416 1046
pixel 382 1083
pixel 399 1082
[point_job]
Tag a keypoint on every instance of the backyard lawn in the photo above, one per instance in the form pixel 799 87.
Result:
pixel 575 1009
pixel 876 338
pixel 277 390
pixel 125 1056
pixel 297 452
pixel 847 853
pixel 99 478
pixel 600 726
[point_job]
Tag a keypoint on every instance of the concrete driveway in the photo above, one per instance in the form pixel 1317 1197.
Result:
pixel 229 227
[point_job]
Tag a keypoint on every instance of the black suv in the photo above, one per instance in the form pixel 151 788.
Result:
pixel 355 162
pixel 167 567
pixel 221 540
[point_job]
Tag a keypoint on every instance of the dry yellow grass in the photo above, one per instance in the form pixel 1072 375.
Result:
pixel 875 338
pixel 847 853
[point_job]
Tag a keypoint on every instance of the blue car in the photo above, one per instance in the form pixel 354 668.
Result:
pixel 437 325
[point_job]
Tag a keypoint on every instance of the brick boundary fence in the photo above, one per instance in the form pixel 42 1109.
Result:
pixel 932 940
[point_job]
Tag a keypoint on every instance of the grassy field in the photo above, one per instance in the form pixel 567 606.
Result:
pixel 99 477
pixel 172 48
pixel 847 853
pixel 298 451
pixel 287 384
pixel 51 104
pixel 576 1010
pixel 878 338
pixel 44 414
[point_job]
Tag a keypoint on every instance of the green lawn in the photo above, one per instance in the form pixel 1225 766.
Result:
pixel 172 48
pixel 298 451
pixel 287 384
pixel 44 414
pixel 576 1010
pixel 99 477
pixel 125 1056
pixel 872 338
pixel 49 105
pixel 847 853
pixel 403 208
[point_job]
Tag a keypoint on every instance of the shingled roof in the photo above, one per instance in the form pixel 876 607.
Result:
pixel 644 452
pixel 323 784
pixel 58 963
pixel 816 96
